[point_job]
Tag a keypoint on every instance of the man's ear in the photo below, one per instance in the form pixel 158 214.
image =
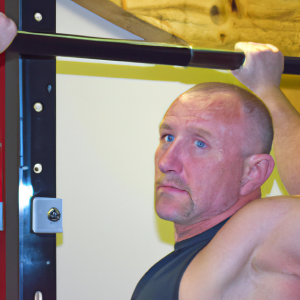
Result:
pixel 257 169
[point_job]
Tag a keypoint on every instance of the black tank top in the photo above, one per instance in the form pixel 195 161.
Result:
pixel 162 281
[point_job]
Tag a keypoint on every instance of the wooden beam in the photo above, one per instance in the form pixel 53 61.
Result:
pixel 115 14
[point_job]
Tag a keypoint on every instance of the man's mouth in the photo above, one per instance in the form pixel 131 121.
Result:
pixel 168 188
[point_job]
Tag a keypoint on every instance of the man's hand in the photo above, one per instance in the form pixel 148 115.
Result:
pixel 262 69
pixel 8 31
pixel 261 73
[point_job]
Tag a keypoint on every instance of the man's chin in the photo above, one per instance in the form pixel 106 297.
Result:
pixel 171 210
pixel 165 215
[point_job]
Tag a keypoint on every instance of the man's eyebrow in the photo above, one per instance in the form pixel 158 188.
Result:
pixel 200 131
pixel 192 129
pixel 165 126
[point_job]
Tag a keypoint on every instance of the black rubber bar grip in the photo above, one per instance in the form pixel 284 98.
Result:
pixel 42 44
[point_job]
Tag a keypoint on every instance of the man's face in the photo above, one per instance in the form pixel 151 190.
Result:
pixel 199 161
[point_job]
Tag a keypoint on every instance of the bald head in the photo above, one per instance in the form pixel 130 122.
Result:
pixel 259 127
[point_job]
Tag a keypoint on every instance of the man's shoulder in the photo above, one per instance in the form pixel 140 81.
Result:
pixel 259 219
pixel 286 200
pixel 267 219
pixel 270 207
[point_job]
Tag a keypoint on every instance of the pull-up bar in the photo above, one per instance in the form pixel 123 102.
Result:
pixel 42 44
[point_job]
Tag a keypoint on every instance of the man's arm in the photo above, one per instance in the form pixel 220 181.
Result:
pixel 8 31
pixel 262 73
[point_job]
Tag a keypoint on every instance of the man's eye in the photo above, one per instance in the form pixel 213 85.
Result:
pixel 200 144
pixel 169 138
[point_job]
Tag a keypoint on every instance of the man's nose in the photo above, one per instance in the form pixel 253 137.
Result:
pixel 170 161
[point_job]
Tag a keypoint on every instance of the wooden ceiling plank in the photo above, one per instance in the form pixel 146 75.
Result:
pixel 219 24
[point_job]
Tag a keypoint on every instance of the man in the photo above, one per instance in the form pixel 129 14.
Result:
pixel 210 163
pixel 8 31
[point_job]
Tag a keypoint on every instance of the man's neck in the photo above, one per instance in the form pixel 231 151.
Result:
pixel 183 232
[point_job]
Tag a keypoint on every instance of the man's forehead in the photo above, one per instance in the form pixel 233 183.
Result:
pixel 198 102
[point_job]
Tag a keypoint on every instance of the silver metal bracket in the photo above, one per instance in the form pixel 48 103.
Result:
pixel 47 215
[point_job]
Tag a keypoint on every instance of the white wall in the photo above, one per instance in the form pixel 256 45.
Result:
pixel 107 132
